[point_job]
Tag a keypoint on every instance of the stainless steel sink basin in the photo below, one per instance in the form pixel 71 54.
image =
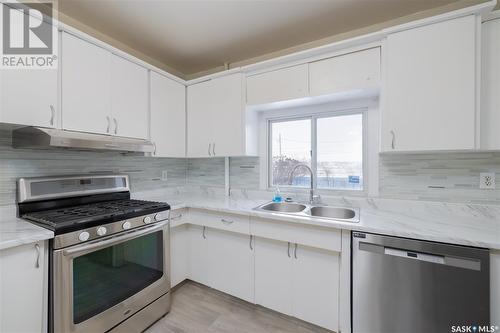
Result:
pixel 332 212
pixel 283 207
pixel 321 212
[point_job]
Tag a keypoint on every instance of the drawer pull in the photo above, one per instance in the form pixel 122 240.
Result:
pixel 227 221
pixel 251 239
pixel 203 233
pixel 295 251
pixel 288 250
pixel 176 217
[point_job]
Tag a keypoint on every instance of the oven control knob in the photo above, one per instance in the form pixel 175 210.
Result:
pixel 101 231
pixel 158 216
pixel 83 236
pixel 147 219
pixel 126 225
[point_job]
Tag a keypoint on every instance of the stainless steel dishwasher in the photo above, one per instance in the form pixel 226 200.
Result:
pixel 408 286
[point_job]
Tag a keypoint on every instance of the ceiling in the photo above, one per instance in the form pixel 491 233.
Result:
pixel 197 36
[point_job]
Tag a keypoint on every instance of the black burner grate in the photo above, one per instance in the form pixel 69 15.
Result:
pixel 93 212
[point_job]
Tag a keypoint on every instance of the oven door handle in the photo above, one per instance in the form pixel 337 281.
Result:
pixel 102 243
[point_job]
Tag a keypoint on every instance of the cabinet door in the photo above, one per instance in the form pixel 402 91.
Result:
pixel 228 115
pixel 29 97
pixel 358 70
pixel 273 275
pixel 316 278
pixel 199 120
pixel 179 239
pixel 129 98
pixel 279 85
pixel 86 86
pixel 199 257
pixel 23 289
pixel 429 96
pixel 168 116
pixel 490 87
pixel 232 263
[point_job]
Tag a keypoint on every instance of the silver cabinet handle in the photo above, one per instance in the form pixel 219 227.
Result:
pixel 154 145
pixel 176 217
pixel 116 125
pixel 37 263
pixel 213 148
pixel 209 153
pixel 295 251
pixel 393 142
pixel 288 251
pixel 52 115
pixel 226 221
pixel 203 233
pixel 109 124
pixel 251 239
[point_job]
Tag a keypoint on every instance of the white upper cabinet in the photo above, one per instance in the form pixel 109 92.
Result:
pixel 358 70
pixel 168 116
pixel 228 111
pixel 199 119
pixel 101 92
pixel 429 97
pixel 490 86
pixel 217 121
pixel 279 85
pixel 129 98
pixel 86 86
pixel 29 97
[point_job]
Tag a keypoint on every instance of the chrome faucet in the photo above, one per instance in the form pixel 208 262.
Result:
pixel 312 197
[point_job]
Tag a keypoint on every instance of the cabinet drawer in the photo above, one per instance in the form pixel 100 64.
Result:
pixel 222 221
pixel 178 217
pixel 314 236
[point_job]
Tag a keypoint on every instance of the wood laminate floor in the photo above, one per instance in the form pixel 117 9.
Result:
pixel 197 308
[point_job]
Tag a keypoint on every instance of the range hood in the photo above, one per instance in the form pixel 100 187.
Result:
pixel 39 137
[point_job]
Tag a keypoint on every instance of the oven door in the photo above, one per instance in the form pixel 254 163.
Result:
pixel 99 284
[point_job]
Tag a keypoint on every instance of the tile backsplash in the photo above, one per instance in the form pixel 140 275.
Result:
pixel 451 177
pixel 145 172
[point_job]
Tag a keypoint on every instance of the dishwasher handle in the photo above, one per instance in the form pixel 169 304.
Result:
pixel 460 262
pixel 437 259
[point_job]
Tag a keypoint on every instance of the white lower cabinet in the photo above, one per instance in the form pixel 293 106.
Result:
pixel 178 254
pixel 316 275
pixel 273 275
pixel 221 260
pixel 231 263
pixel 23 289
pixel 299 281
pixel 198 256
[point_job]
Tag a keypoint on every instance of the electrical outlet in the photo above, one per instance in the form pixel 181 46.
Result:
pixel 164 176
pixel 487 180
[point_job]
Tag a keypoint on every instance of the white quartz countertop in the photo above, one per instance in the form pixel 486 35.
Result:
pixel 15 231
pixel 472 225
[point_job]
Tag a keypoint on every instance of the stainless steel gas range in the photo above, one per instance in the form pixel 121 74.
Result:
pixel 109 259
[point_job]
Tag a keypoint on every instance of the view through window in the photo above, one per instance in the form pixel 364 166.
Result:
pixel 332 146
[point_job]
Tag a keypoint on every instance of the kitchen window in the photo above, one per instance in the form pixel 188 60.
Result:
pixel 331 145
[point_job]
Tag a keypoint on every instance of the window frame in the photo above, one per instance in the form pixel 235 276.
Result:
pixel 314 145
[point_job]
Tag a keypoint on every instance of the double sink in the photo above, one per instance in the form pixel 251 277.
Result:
pixel 318 211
